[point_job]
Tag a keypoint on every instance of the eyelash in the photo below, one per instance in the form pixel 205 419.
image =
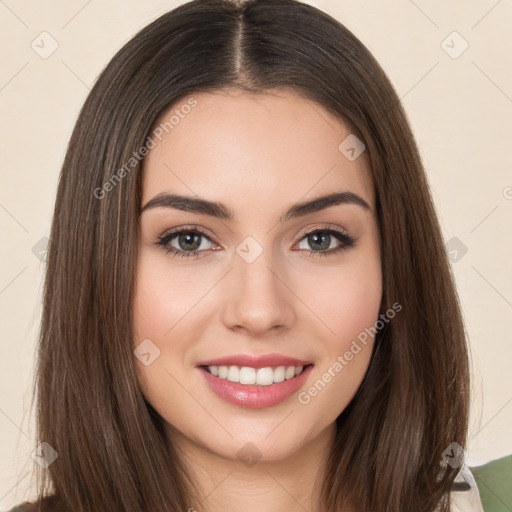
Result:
pixel 346 241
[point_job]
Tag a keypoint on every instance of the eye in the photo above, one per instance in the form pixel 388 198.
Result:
pixel 183 243
pixel 323 241
pixel 193 242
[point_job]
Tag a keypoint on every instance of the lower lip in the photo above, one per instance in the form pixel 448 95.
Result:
pixel 255 397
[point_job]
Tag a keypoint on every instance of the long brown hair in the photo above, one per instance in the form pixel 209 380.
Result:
pixel 413 403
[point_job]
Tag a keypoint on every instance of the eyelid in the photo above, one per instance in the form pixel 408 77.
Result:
pixel 191 228
pixel 344 238
pixel 323 227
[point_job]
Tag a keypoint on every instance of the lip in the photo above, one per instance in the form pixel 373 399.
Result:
pixel 254 396
pixel 263 361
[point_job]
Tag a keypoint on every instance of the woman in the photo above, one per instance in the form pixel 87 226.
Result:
pixel 247 301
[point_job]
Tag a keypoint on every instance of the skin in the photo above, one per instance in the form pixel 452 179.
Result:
pixel 258 155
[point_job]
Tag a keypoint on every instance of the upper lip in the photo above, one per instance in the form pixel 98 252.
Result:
pixel 262 361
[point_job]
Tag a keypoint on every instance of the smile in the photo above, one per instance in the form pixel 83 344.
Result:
pixel 259 376
pixel 255 387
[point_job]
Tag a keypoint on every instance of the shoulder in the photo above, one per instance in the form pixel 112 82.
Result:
pixel 485 488
pixel 465 494
pixel 494 484
pixel 24 507
pixel 47 504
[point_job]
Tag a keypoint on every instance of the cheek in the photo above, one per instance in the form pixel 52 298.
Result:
pixel 347 352
pixel 160 302
pixel 355 307
pixel 163 297
pixel 348 301
pixel 349 309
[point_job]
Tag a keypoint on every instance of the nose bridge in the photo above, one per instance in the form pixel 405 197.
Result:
pixel 257 298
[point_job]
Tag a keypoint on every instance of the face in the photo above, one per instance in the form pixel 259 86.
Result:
pixel 248 277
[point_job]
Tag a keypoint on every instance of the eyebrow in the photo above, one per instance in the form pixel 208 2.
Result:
pixel 220 211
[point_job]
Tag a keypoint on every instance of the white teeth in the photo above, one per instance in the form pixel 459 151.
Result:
pixel 247 375
pixel 279 374
pixel 290 372
pixel 233 374
pixel 260 376
pixel 265 376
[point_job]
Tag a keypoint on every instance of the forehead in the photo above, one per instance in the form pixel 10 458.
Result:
pixel 232 145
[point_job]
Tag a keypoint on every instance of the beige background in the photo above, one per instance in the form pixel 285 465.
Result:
pixel 460 109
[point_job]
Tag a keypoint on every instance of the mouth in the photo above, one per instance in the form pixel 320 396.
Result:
pixel 250 376
pixel 256 388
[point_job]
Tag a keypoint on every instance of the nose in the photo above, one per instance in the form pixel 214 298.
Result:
pixel 257 299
